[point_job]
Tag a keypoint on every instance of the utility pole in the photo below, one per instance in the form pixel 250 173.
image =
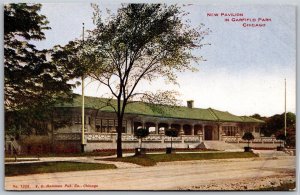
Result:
pixel 82 94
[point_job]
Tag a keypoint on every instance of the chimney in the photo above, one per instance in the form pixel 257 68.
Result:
pixel 190 103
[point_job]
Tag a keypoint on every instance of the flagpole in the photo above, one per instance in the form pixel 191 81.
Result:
pixel 285 107
pixel 82 93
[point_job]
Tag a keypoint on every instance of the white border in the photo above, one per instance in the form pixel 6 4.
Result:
pixel 200 2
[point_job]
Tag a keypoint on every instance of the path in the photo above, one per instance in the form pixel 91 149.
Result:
pixel 164 176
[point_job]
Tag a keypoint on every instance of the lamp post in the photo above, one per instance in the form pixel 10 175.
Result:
pixel 82 105
pixel 285 110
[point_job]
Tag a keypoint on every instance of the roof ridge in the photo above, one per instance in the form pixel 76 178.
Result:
pixel 213 113
pixel 251 118
pixel 147 103
pixel 140 107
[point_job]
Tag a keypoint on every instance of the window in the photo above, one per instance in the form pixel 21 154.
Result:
pixel 230 130
pixel 89 120
pixel 98 121
pixel 98 128
pixel 77 119
pixel 109 125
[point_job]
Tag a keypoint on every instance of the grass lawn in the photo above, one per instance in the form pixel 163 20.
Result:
pixel 98 153
pixel 52 167
pixel 139 160
pixel 104 153
pixel 152 159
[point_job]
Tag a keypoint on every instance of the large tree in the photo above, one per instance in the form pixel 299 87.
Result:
pixel 32 83
pixel 141 42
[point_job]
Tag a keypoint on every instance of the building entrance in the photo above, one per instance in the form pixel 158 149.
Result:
pixel 208 133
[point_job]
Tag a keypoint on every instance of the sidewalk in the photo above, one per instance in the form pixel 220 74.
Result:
pixel 101 159
pixel 90 159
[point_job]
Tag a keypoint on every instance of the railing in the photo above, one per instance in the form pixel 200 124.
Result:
pixel 128 137
pixel 111 137
pixel 154 138
pixel 67 136
pixel 99 137
pixel 230 139
pixel 14 148
pixel 238 139
pixel 191 138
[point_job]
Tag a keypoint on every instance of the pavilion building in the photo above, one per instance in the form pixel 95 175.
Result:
pixel 196 126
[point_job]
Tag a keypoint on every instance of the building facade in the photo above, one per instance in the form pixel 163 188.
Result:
pixel 195 126
pixel 198 128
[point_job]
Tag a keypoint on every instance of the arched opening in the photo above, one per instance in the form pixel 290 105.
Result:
pixel 198 129
pixel 151 127
pixel 208 132
pixel 176 126
pixel 137 125
pixel 162 127
pixel 187 129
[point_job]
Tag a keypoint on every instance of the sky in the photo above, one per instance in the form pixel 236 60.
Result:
pixel 245 67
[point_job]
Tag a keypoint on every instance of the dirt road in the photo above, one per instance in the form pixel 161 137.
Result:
pixel 165 176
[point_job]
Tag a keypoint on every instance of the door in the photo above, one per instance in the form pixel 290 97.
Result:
pixel 208 133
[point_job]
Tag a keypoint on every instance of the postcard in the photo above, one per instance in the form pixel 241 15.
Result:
pixel 140 96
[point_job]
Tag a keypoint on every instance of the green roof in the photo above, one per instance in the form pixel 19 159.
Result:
pixel 155 110
pixel 251 119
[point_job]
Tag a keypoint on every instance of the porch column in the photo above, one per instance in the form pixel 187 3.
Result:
pixel 220 132
pixel 181 132
pixel 156 128
pixel 193 129
pixel 132 127
pixel 203 131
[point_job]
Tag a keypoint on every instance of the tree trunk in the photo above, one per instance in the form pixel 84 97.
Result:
pixel 248 143
pixel 171 142
pixel 119 137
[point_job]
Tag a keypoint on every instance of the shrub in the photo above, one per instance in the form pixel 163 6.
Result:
pixel 281 137
pixel 171 133
pixel 248 136
pixel 141 133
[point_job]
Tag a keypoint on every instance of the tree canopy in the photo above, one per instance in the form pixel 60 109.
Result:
pixel 281 136
pixel 172 132
pixel 141 42
pixel 31 81
pixel 248 136
pixel 275 125
pixel 141 133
